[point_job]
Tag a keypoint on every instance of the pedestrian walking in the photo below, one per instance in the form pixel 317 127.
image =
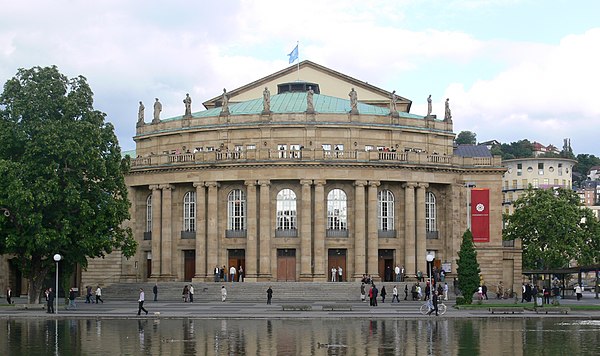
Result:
pixel 9 295
pixel 191 292
pixel 223 293
pixel 99 295
pixel 434 303
pixel 383 294
pixel 269 295
pixel 141 302
pixel 406 291
pixel 578 291
pixel 395 295
pixel 71 299
pixel 155 291
pixel 89 295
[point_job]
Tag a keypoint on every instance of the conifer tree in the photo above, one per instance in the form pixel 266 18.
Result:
pixel 468 267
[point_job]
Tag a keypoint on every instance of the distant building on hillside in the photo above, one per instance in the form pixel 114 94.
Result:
pixel 594 173
pixel 535 172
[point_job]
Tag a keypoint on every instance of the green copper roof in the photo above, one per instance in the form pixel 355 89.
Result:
pixel 296 103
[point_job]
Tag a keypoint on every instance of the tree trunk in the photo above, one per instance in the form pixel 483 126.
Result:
pixel 36 281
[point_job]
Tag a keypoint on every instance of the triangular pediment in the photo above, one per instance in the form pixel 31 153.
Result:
pixel 331 83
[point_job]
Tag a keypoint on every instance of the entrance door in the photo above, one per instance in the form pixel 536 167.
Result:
pixel 236 258
pixel 189 265
pixel 148 267
pixel 337 258
pixel 286 265
pixel 386 265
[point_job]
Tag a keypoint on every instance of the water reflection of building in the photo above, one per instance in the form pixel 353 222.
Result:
pixel 289 194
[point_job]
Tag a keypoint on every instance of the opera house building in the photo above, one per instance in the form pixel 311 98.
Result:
pixel 305 170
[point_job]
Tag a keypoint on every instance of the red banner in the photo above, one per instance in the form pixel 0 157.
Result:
pixel 480 214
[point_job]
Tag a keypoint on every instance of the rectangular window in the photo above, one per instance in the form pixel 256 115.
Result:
pixel 560 169
pixel 295 151
pixel 556 182
pixel 546 181
pixel 536 184
pixel 540 169
pixel 326 147
pixel 210 148
pixel 250 147
pixel 282 149
pixel 524 184
pixel 519 169
pixel 514 182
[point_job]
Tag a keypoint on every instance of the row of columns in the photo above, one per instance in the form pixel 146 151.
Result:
pixel 312 247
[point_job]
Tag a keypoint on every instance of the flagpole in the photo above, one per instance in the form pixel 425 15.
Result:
pixel 297 44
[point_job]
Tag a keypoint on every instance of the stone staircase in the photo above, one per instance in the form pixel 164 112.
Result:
pixel 249 291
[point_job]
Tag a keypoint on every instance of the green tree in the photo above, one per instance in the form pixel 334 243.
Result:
pixel 62 183
pixel 554 229
pixel 519 149
pixel 466 138
pixel 467 267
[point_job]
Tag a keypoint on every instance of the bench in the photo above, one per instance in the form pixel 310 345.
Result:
pixel 337 307
pixel 557 310
pixel 296 307
pixel 506 310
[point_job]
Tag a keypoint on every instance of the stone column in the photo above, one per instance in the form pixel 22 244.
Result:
pixel 319 239
pixel 409 229
pixel 200 232
pixel 306 231
pixel 166 257
pixel 359 230
pixel 156 230
pixel 420 229
pixel 373 235
pixel 212 232
pixel 250 271
pixel 265 230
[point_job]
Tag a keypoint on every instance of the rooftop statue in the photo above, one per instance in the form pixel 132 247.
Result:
pixel 393 104
pixel 140 121
pixel 429 105
pixel 353 101
pixel 310 107
pixel 447 113
pixel 188 105
pixel 157 110
pixel 224 103
pixel 266 101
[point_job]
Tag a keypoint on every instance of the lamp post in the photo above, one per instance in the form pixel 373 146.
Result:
pixel 57 258
pixel 430 259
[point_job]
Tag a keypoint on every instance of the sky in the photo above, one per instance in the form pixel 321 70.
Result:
pixel 512 69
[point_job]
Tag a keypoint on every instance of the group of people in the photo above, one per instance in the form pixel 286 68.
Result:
pixel 188 293
pixel 337 274
pixel 220 274
pixel 419 293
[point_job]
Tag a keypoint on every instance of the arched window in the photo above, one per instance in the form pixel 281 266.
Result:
pixel 189 211
pixel 337 215
pixel 149 213
pixel 385 210
pixel 236 210
pixel 430 212
pixel 286 210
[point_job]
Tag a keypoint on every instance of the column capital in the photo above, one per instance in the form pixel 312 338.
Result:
pixel 360 183
pixel 199 184
pixel 409 185
pixel 167 186
pixel 320 182
pixel 264 183
pixel 306 181
pixel 422 185
pixel 250 183
pixel 212 184
pixel 374 183
pixel 153 187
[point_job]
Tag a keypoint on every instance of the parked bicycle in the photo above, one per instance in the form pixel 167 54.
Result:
pixel 428 305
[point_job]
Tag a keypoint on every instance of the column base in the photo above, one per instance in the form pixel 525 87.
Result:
pixel 307 277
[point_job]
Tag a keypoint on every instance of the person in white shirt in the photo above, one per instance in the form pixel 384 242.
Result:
pixel 191 293
pixel 141 302
pixel 99 295
pixel 445 291
pixel 223 293
pixel 333 274
pixel 397 271
pixel 340 279
pixel 232 272
pixel 395 294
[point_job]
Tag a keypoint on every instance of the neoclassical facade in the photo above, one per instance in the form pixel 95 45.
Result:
pixel 261 181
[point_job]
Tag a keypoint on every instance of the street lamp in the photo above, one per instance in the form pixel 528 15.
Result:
pixel 430 259
pixel 57 258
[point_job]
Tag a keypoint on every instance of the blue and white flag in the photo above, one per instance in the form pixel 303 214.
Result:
pixel 293 54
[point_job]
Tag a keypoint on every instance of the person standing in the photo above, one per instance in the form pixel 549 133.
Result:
pixel 362 292
pixel 578 291
pixel 232 272
pixel 99 295
pixel 333 273
pixel 240 274
pixel 89 295
pixel 155 291
pixel 340 276
pixel 223 274
pixel 217 273
pixel 395 295
pixel 9 295
pixel 191 291
pixel 375 293
pixel 50 298
pixel 445 291
pixel 269 295
pixel 185 294
pixel 223 293
pixel 141 302
pixel 72 299
pixel 397 272
pixel 406 291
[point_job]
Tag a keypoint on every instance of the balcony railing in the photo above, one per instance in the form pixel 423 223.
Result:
pixel 390 234
pixel 286 233
pixel 235 233
pixel 336 233
pixel 309 155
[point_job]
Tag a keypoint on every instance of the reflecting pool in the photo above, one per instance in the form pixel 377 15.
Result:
pixel 543 336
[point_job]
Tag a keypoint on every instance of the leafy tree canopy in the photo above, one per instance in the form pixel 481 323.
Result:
pixel 467 267
pixel 466 138
pixel 62 175
pixel 554 229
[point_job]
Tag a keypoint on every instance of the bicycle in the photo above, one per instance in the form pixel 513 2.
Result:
pixel 427 306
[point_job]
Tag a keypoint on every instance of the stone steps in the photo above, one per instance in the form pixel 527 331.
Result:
pixel 249 291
